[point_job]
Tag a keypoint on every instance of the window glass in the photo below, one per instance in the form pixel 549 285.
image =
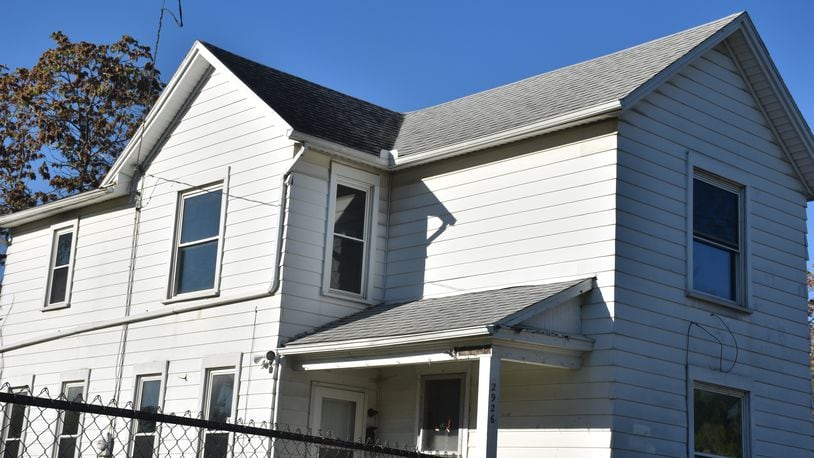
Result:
pixel 716 239
pixel 347 257
pixel 347 265
pixel 71 422
pixel 149 394
pixel 198 242
pixel 201 216
pixel 196 267
pixel 14 423
pixel 719 424
pixel 218 408
pixel 60 266
pixel 349 218
pixel 441 414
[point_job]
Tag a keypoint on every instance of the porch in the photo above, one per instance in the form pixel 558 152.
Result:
pixel 437 383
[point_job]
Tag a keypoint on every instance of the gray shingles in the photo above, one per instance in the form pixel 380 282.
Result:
pixel 436 314
pixel 331 115
pixel 558 92
pixel 316 110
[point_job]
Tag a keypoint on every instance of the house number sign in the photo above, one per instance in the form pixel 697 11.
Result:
pixel 492 399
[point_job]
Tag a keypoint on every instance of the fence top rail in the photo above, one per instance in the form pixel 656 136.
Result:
pixel 188 420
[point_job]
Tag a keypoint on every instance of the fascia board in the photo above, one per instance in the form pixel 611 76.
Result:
pixel 594 113
pixel 52 208
pixel 361 344
pixel 345 152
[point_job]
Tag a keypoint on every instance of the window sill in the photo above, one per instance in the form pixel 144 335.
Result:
pixel 210 293
pixel 719 301
pixel 337 294
pixel 64 305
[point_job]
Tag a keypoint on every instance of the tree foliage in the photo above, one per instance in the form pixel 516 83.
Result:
pixel 64 120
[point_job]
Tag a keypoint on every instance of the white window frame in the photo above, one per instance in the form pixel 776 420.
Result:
pixel 137 391
pixel 369 183
pixel 57 230
pixel 172 296
pixel 24 389
pixel 715 174
pixel 320 391
pixel 64 386
pixel 746 415
pixel 209 373
pixel 463 429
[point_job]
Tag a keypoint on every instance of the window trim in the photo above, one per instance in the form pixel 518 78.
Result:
pixel 171 295
pixel 344 393
pixel 154 371
pixel 746 413
pixel 463 430
pixel 220 364
pixel 715 174
pixel 56 230
pixel 24 389
pixel 363 181
pixel 68 379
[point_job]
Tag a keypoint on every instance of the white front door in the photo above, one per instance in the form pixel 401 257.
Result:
pixel 337 413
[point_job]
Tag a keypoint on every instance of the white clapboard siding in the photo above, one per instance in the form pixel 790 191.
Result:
pixel 305 305
pixel 221 129
pixel 707 110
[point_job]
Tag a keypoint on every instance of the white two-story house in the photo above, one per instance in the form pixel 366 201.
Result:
pixel 605 260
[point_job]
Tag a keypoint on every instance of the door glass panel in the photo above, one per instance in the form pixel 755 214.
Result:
pixel 442 415
pixel 338 421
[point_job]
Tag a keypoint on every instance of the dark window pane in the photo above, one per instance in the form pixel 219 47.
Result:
pixel 63 257
pixel 148 402
pixel 67 447
pixel 346 265
pixel 201 217
pixel 715 213
pixel 75 393
pixel 15 428
pixel 59 285
pixel 216 445
pixel 220 400
pixel 349 218
pixel 713 270
pixel 11 448
pixel 196 267
pixel 718 423
pixel 143 446
pixel 442 411
pixel 338 418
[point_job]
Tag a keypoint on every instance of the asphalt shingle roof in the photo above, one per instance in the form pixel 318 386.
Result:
pixel 324 113
pixel 435 314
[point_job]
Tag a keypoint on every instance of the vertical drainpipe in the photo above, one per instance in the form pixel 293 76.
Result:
pixel 276 363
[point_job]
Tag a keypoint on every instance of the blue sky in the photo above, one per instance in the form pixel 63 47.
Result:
pixel 412 54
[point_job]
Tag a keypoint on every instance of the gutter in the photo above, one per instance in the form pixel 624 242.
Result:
pixel 595 113
pixel 274 286
pixel 53 208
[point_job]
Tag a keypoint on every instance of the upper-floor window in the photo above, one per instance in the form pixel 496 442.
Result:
pixel 60 267
pixel 352 210
pixel 717 246
pixel 198 234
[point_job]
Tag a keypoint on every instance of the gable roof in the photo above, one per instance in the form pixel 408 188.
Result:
pixel 478 309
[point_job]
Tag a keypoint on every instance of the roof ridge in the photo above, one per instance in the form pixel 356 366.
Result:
pixel 299 78
pixel 724 21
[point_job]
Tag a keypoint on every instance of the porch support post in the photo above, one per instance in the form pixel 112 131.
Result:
pixel 488 403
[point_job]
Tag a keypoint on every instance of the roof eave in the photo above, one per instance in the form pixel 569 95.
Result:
pixel 77 201
pixel 575 118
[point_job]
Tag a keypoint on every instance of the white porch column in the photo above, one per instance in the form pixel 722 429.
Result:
pixel 488 402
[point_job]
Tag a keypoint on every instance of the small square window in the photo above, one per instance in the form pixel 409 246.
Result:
pixel 719 422
pixel 60 267
pixel 441 413
pixel 717 245
pixel 198 236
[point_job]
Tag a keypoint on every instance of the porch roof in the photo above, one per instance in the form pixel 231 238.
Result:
pixel 493 308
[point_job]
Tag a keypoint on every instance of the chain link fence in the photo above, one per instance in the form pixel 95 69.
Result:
pixel 46 426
